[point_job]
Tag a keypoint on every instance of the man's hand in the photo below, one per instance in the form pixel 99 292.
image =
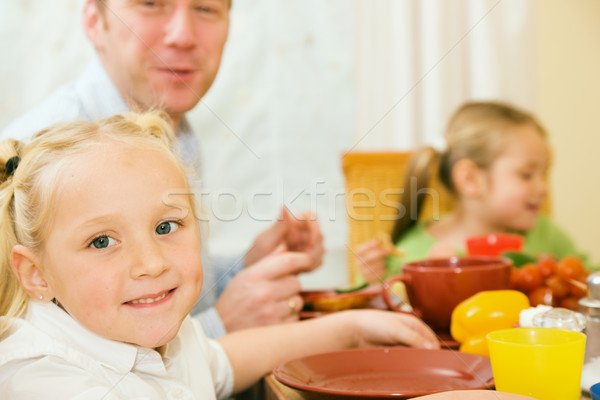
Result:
pixel 266 292
pixel 298 234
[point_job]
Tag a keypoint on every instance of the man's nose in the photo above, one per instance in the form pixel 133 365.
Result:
pixel 179 30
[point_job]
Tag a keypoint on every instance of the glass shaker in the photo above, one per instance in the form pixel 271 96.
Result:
pixel 591 307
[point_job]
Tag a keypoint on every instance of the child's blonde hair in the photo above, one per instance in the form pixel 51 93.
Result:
pixel 29 173
pixel 476 131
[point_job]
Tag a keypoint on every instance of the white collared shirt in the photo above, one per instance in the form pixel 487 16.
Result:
pixel 49 355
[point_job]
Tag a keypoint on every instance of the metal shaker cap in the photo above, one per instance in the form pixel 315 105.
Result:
pixel 592 301
pixel 593 284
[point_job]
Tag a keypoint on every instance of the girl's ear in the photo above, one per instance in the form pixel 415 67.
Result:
pixel 25 265
pixel 93 23
pixel 468 178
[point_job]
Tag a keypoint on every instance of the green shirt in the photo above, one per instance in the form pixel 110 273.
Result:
pixel 544 238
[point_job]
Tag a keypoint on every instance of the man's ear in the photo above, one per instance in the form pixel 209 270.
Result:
pixel 468 178
pixel 25 265
pixel 93 23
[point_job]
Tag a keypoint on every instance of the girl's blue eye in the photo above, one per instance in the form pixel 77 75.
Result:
pixel 101 242
pixel 166 227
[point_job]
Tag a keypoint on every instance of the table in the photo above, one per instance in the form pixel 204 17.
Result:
pixel 274 390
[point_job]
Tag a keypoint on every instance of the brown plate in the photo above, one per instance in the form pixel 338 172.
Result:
pixel 398 372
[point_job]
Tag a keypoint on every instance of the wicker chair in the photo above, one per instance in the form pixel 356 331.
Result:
pixel 373 192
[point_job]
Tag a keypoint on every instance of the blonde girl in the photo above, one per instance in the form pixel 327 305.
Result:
pixel 101 266
pixel 495 165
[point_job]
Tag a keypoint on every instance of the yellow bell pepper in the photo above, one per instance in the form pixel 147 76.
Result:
pixel 482 313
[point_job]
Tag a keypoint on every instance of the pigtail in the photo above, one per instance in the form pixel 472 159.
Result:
pixel 13 299
pixel 415 181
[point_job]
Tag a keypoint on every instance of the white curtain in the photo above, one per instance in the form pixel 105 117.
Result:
pixel 418 60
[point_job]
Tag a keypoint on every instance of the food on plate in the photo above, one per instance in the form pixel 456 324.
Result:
pixel 486 311
pixel 351 289
pixel 333 300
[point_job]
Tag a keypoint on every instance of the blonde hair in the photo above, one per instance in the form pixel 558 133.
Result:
pixel 476 131
pixel 27 193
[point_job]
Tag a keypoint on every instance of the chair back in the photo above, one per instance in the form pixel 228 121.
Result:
pixel 374 189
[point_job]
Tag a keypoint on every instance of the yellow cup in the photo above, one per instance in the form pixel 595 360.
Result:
pixel 544 363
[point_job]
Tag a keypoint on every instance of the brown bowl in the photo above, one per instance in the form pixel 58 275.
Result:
pixel 435 286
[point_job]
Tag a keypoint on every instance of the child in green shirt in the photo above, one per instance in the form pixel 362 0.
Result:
pixel 495 165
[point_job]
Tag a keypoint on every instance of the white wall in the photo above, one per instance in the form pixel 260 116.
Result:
pixel 568 67
pixel 43 46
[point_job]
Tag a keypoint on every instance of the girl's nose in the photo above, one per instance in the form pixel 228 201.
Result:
pixel 179 31
pixel 148 260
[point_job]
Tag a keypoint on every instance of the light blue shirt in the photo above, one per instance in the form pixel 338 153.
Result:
pixel 94 96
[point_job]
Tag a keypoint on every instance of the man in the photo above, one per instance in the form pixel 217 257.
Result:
pixel 166 54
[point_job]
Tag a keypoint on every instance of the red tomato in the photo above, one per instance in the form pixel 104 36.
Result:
pixel 547 266
pixel 570 267
pixel 577 287
pixel 542 295
pixel 514 278
pixel 570 302
pixel 529 278
pixel 560 288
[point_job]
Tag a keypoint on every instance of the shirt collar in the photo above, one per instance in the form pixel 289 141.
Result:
pixel 98 94
pixel 59 325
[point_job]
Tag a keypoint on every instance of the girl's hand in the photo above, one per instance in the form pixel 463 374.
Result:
pixel 370 260
pixel 387 328
pixel 255 352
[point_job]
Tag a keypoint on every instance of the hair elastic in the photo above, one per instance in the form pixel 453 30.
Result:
pixel 11 165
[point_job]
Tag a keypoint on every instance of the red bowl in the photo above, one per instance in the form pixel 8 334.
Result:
pixel 494 245
pixel 435 286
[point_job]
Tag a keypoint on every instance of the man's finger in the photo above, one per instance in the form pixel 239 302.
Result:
pixel 277 265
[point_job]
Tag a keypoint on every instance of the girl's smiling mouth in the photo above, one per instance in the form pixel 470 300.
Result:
pixel 151 299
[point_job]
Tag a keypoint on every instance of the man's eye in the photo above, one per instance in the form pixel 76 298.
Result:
pixel 166 227
pixel 102 242
pixel 153 4
pixel 212 7
pixel 526 175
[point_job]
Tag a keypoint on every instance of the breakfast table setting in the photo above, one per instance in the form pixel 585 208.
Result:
pixel 495 337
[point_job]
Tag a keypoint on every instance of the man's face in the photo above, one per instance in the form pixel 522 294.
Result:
pixel 163 53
